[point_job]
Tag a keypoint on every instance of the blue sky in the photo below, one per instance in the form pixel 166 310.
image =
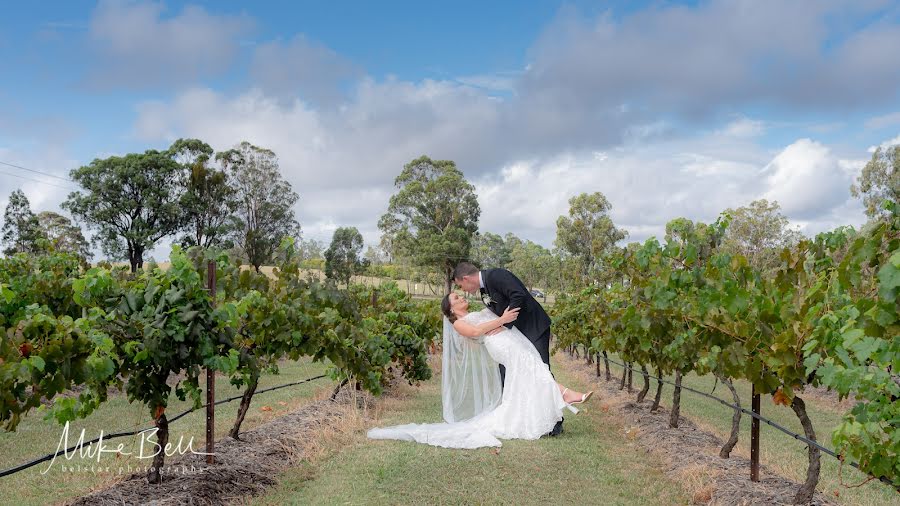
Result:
pixel 670 109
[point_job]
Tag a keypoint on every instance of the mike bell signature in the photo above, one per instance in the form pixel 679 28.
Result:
pixel 94 451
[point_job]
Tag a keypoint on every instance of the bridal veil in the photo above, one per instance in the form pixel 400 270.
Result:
pixel 470 377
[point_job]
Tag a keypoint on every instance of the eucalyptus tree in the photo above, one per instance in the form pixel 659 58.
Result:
pixel 433 217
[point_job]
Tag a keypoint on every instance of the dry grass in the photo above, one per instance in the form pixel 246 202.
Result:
pixel 700 480
pixel 586 464
pixel 247 467
pixel 689 452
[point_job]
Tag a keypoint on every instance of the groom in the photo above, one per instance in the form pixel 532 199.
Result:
pixel 501 289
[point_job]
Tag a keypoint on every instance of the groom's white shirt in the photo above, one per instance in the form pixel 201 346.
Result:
pixel 481 280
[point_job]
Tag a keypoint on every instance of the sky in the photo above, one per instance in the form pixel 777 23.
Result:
pixel 670 109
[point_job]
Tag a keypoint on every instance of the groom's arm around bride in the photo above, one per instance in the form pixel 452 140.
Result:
pixel 501 289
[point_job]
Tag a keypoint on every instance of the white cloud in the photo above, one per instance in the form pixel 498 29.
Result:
pixel 744 127
pixel 301 67
pixel 44 193
pixel 646 185
pixel 807 180
pixel 886 144
pixel 604 104
pixel 883 121
pixel 343 160
pixel 700 60
pixel 503 82
pixel 136 46
pixel 650 185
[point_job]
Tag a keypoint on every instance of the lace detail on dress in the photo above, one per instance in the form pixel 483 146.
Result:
pixel 531 403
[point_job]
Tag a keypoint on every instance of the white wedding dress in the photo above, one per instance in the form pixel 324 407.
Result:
pixel 477 415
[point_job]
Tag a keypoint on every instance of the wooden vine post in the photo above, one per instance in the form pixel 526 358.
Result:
pixel 754 438
pixel 211 378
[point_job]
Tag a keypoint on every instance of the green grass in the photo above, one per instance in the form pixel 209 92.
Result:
pixel 36 437
pixel 778 451
pixel 590 463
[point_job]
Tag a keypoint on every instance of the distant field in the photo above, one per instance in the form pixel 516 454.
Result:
pixel 416 289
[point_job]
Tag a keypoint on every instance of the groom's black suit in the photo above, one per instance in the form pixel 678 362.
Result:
pixel 506 290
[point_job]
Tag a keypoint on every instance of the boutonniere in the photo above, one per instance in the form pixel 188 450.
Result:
pixel 486 298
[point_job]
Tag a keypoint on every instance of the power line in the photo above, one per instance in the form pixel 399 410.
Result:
pixel 36 171
pixel 36 180
pixel 761 418
pixel 114 435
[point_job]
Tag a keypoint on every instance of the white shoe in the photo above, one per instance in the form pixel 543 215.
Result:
pixel 584 397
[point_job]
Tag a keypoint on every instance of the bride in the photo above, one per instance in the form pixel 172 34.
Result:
pixel 477 410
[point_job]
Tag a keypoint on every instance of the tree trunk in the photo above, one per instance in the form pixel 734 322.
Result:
pixel 198 234
pixel 597 362
pixel 448 285
pixel 630 374
pixel 805 494
pixel 659 385
pixel 624 378
pixel 159 460
pixel 606 363
pixel 338 388
pixel 135 257
pixel 676 401
pixel 643 393
pixel 588 356
pixel 245 405
pixel 725 452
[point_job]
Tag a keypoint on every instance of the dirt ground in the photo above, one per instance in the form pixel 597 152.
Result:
pixel 691 455
pixel 247 467
pixel 243 468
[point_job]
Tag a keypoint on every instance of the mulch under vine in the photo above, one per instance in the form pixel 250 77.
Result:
pixel 249 467
pixel 243 468
pixel 687 448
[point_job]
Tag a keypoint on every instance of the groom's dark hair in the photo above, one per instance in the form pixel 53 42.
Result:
pixel 464 269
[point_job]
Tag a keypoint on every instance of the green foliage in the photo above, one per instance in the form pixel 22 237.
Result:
pixel 44 280
pixel 759 232
pixel 855 349
pixel 311 249
pixel 42 356
pixel 132 201
pixel 297 317
pixel 265 202
pixel 879 181
pixel 536 266
pixel 433 217
pixel 491 251
pixel 209 199
pixel 587 234
pixel 64 235
pixel 342 256
pixel 408 327
pixel 161 324
pixel 828 315
pixel 21 229
pixel 155 331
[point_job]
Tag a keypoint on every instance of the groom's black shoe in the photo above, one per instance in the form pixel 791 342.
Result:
pixel 557 429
